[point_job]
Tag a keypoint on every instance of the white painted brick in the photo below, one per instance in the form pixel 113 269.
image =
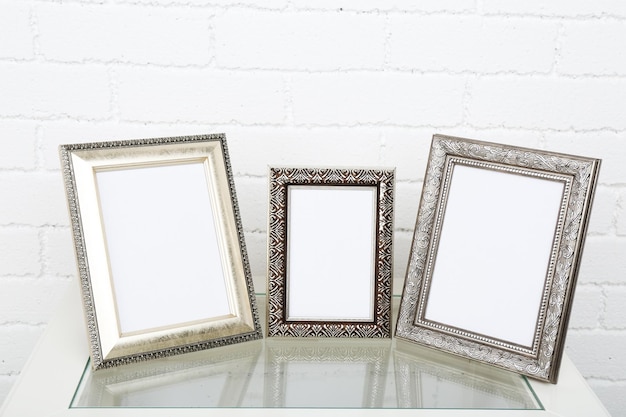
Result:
pixel 603 216
pixel 20 249
pixel 547 102
pixel 18 140
pixel 608 146
pixel 597 354
pixel 30 300
pixel 588 47
pixel 134 34
pixel 256 245
pixel 58 252
pixel 611 393
pixel 567 8
pixel 401 251
pixel 587 307
pixel 615 313
pixel 603 260
pixel 33 199
pixel 254 149
pixel 407 150
pixel 16 343
pixel 256 4
pixel 6 383
pixel 42 90
pixel 377 98
pixel 205 96
pixel 471 43
pixel 17 38
pixel 407 200
pixel 252 195
pixel 391 5
pixel 304 41
pixel 621 213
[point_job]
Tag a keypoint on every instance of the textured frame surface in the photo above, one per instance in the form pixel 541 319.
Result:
pixel 108 345
pixel 579 176
pixel 279 181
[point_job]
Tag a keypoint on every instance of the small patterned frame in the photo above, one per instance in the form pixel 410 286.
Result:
pixel 280 322
pixel 538 353
pixel 159 243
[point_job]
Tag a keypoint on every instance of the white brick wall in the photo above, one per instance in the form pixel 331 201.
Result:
pixel 306 41
pixel 140 34
pixel 469 43
pixel 354 82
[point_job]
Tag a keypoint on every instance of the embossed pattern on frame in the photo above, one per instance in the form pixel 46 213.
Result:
pixel 543 362
pixel 279 179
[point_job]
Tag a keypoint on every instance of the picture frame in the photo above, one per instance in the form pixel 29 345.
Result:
pixel 330 236
pixel 160 249
pixel 496 252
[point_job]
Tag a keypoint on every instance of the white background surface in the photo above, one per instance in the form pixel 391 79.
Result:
pixel 162 245
pixel 493 253
pixel 291 82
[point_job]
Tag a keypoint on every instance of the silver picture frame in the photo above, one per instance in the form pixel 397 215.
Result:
pixel 159 245
pixel 330 236
pixel 496 253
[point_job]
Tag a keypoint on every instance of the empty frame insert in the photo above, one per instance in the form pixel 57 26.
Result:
pixel 496 252
pixel 330 252
pixel 159 244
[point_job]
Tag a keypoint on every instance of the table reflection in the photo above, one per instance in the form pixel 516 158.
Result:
pixel 431 379
pixel 307 372
pixel 215 378
pixel 326 373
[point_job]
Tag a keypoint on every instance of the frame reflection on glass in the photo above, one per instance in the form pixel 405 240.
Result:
pixel 496 252
pixel 330 252
pixel 426 378
pixel 159 244
pixel 218 378
pixel 326 373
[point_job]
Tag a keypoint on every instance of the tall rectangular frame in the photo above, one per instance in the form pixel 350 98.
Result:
pixel 339 181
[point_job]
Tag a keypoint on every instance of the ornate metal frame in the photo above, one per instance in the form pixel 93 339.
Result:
pixel 108 345
pixel 579 175
pixel 279 181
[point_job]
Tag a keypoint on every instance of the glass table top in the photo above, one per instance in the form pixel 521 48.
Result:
pixel 308 373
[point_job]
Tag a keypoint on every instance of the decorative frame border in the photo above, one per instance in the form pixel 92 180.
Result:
pixel 244 326
pixel 279 180
pixel 579 174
